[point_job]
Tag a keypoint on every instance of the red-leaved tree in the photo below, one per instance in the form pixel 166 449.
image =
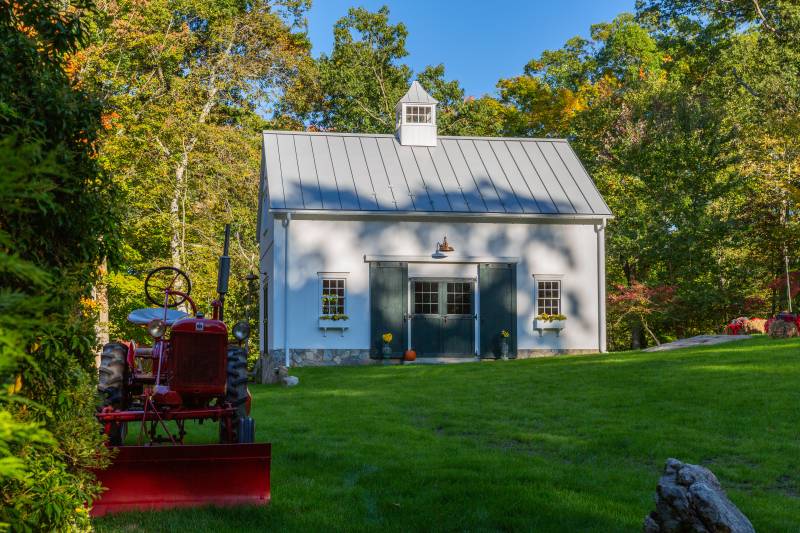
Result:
pixel 641 303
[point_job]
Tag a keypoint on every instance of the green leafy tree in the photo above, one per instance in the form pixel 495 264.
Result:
pixel 458 115
pixel 363 78
pixel 184 84
pixel 752 50
pixel 360 82
pixel 655 139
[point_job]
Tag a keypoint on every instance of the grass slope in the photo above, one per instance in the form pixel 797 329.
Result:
pixel 560 444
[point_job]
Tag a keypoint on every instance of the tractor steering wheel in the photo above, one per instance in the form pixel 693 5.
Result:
pixel 167 285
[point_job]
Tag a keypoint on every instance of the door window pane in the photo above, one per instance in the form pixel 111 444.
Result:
pixel 459 298
pixel 426 297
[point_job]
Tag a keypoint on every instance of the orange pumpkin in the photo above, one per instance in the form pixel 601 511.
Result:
pixel 410 355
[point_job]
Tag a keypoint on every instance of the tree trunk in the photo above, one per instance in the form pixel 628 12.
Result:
pixel 267 369
pixel 650 332
pixel 637 338
pixel 176 222
pixel 174 209
pixel 101 298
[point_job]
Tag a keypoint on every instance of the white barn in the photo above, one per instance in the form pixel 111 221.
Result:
pixel 351 228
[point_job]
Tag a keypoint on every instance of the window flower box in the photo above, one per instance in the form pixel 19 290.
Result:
pixel 543 325
pixel 327 322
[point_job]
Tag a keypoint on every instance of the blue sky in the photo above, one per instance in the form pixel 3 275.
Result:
pixel 479 42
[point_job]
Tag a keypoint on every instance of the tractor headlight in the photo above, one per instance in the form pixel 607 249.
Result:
pixel 241 330
pixel 156 328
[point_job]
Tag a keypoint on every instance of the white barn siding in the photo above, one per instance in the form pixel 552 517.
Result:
pixel 319 245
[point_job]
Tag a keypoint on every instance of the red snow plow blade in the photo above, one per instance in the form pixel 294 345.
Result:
pixel 161 477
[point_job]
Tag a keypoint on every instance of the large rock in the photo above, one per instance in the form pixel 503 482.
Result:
pixel 689 498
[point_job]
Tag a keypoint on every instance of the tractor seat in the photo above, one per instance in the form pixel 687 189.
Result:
pixel 142 316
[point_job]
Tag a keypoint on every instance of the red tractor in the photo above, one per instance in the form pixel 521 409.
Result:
pixel 191 372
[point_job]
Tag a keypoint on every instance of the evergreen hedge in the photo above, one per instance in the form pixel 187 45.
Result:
pixel 57 222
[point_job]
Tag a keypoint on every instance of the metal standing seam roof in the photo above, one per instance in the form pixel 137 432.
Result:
pixel 375 173
pixel 416 94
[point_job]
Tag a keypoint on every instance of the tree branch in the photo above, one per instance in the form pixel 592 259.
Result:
pixel 744 84
pixel 764 20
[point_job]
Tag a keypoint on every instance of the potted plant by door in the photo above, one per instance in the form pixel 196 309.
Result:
pixel 504 335
pixel 387 340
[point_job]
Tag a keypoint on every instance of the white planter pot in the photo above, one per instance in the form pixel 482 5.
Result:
pixel 325 325
pixel 543 325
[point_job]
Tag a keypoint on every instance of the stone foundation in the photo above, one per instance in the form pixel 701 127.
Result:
pixel 531 354
pixel 326 357
pixel 357 356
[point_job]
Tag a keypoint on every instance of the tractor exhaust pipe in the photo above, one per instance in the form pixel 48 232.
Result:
pixel 224 272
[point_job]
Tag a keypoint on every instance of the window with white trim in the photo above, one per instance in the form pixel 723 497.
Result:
pixel 548 296
pixel 333 296
pixel 418 114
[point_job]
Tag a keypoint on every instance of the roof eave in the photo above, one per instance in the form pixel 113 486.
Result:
pixel 495 217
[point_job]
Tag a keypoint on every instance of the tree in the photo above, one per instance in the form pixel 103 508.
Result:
pixel 183 85
pixel 457 115
pixel 755 46
pixel 362 79
pixel 656 142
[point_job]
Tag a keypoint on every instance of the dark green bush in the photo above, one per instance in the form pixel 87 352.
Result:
pixel 56 221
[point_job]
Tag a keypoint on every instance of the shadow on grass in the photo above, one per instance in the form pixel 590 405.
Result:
pixel 573 443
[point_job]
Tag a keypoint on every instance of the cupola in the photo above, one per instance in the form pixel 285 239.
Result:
pixel 415 117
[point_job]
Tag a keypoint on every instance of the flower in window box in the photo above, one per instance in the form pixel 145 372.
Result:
pixel 550 318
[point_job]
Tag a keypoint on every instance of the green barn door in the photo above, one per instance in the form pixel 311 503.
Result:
pixel 427 319
pixel 388 294
pixel 458 331
pixel 497 284
pixel 442 318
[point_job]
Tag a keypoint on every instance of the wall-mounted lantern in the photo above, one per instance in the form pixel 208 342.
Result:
pixel 443 248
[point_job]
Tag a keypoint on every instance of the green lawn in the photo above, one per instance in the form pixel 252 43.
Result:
pixel 559 444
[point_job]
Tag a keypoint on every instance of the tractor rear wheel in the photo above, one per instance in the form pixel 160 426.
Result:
pixel 112 373
pixel 111 386
pixel 236 391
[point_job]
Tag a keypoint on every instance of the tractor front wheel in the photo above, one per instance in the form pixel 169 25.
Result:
pixel 236 393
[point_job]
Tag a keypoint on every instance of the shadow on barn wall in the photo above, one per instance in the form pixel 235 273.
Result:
pixel 542 246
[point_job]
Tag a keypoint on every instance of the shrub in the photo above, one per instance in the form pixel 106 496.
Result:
pixel 738 326
pixel 780 329
pixel 56 218
pixel 756 325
